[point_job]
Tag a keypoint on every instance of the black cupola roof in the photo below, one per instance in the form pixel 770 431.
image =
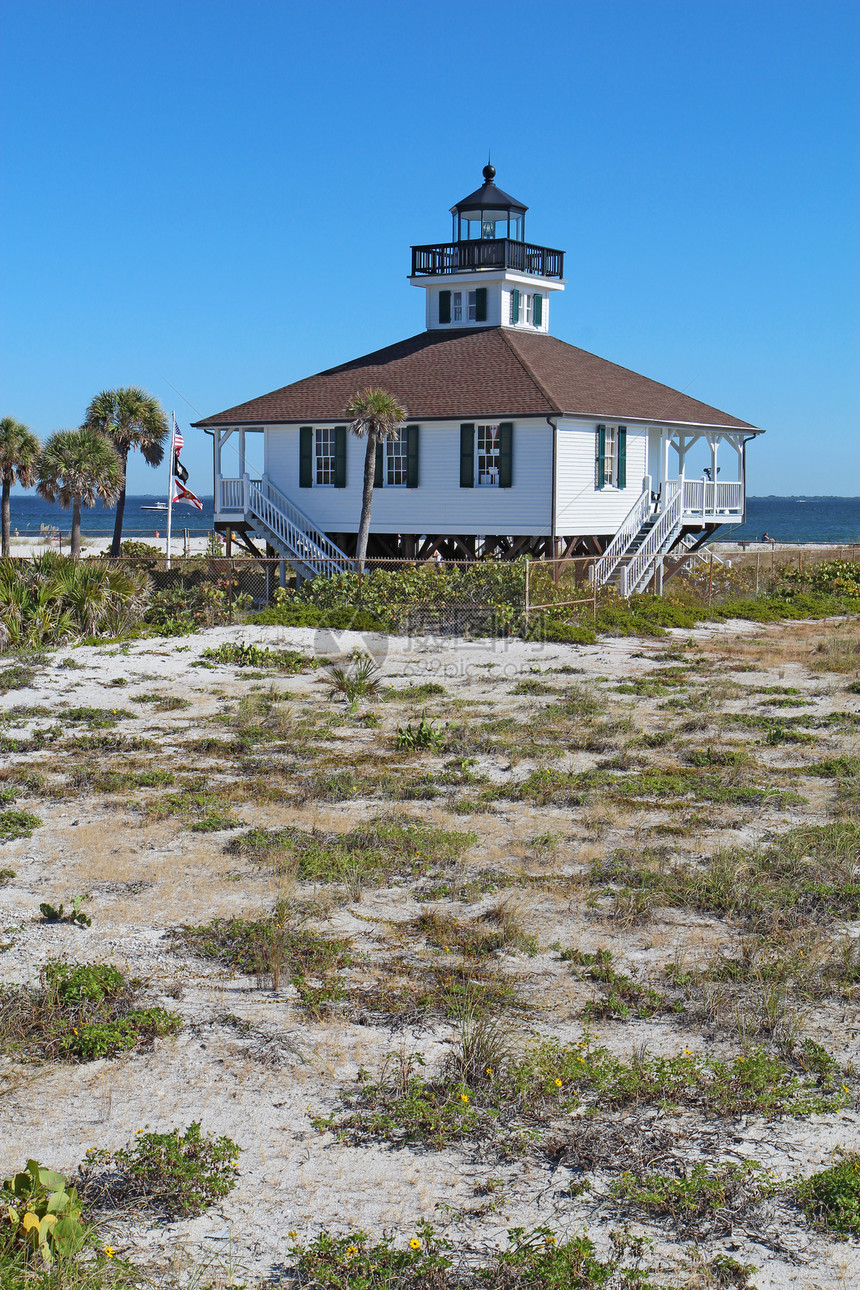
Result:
pixel 489 197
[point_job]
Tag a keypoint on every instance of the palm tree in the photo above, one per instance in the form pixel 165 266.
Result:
pixel 76 468
pixel 377 415
pixel 19 451
pixel 130 418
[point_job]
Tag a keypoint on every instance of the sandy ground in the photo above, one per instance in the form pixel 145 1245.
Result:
pixel 262 1081
pixel 36 543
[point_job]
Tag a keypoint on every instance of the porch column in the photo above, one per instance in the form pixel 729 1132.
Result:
pixel 241 452
pixel 714 442
pixel 664 465
pixel 217 442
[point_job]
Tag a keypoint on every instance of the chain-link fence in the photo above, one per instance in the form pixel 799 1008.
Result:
pixel 448 597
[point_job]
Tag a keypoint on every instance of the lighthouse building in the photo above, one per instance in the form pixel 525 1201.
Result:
pixel 515 442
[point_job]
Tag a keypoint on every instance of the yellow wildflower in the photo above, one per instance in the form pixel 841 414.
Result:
pixel 464 1097
pixel 351 1251
pixel 292 1235
pixel 109 1251
pixel 415 1244
pixel 558 1083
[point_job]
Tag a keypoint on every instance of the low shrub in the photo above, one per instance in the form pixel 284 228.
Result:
pixel 701 1200
pixel 294 613
pixel 535 1259
pixel 78 1013
pixel 508 1102
pixel 54 598
pixel 241 654
pixel 832 1198
pixel 177 1174
pixel 17 824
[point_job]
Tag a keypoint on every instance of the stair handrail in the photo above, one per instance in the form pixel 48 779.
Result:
pixel 603 569
pixel 296 530
pixel 668 520
pixel 699 553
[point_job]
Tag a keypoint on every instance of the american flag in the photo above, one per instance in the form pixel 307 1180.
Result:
pixel 178 441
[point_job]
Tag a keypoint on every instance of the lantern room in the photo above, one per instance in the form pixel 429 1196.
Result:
pixel 488 213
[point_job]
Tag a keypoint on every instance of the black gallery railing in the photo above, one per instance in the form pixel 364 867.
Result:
pixel 494 253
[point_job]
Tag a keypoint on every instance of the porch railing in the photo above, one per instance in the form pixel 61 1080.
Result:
pixel 704 498
pixel 231 495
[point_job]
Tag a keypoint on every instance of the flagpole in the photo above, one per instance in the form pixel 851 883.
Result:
pixel 170 482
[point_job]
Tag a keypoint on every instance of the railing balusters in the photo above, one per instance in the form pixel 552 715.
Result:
pixel 487 253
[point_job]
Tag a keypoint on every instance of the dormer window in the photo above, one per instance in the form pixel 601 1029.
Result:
pixel 457 306
pixel 526 308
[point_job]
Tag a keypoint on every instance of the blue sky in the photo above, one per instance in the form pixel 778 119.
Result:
pixel 220 197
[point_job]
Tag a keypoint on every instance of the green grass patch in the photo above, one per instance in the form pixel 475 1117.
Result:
pixel 382 848
pixel 276 949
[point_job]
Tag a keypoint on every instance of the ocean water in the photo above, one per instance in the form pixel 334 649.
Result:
pixel 786 519
pixel 30 513
pixel 798 519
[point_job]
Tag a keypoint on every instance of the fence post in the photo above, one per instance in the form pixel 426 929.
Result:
pixel 525 600
pixel 757 561
pixel 710 577
pixel 593 591
pixel 800 560
pixel 230 572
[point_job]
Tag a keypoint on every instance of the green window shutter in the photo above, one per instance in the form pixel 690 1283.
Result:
pixel 411 456
pixel 340 456
pixel 377 474
pixel 515 306
pixel 506 454
pixel 467 456
pixel 481 304
pixel 601 455
pixel 622 457
pixel 538 310
pixel 306 457
pixel 444 306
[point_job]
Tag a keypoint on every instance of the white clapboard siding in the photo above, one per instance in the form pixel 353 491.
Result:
pixel 581 507
pixel 438 504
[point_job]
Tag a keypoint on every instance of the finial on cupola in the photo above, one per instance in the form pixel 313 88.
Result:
pixel 489 171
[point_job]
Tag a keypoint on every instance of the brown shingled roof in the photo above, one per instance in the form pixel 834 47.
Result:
pixel 490 371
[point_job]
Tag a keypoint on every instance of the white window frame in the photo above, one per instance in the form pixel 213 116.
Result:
pixel 394 461
pixel 489 476
pixel 610 456
pixel 472 306
pixel 324 436
pixel 456 306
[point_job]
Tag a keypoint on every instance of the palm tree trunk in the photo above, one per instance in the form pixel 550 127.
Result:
pixel 7 489
pixel 120 510
pixel 76 527
pixel 366 501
